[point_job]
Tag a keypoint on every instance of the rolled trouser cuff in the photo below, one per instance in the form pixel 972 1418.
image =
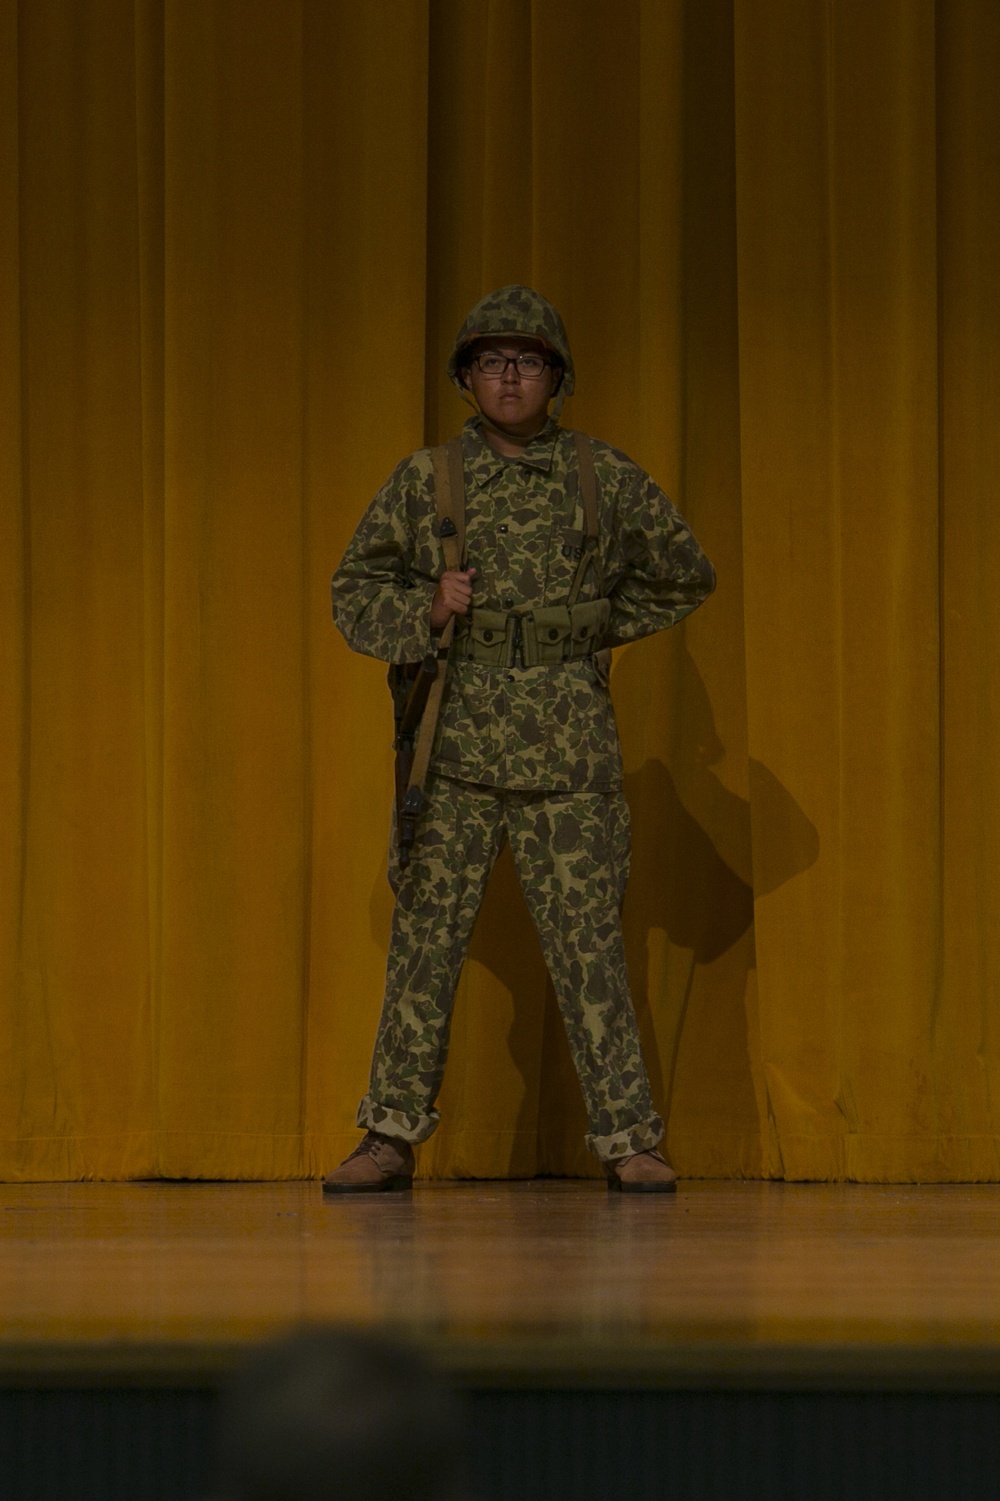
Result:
pixel 403 1125
pixel 641 1138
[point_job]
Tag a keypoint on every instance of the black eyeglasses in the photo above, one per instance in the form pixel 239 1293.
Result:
pixel 493 364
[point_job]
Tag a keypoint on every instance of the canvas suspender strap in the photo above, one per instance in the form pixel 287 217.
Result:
pixel 449 498
pixel 588 497
pixel 588 482
pixel 455 499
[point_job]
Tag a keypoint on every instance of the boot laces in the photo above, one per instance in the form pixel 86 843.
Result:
pixel 369 1145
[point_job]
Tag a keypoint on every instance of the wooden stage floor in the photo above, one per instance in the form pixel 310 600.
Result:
pixel 545 1282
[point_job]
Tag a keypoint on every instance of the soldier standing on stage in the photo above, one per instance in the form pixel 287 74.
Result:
pixel 557 567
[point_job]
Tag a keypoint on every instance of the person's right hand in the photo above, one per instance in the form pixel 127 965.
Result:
pixel 453 596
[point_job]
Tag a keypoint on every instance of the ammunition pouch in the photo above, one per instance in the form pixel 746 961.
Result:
pixel 532 638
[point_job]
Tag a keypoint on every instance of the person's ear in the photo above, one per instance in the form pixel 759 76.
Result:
pixel 465 376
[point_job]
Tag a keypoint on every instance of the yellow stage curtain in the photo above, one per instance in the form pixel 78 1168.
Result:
pixel 236 239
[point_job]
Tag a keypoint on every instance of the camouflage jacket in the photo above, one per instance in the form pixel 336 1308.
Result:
pixel 548 728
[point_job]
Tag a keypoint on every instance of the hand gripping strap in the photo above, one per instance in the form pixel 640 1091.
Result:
pixel 449 499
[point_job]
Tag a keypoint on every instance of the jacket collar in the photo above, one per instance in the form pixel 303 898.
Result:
pixel 485 463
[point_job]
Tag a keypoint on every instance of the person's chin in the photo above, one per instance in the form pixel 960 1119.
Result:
pixel 508 416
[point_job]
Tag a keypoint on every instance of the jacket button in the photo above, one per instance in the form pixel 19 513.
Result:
pixel 508 603
pixel 502 527
pixel 553 635
pixel 487 635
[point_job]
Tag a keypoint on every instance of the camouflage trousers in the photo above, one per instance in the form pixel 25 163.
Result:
pixel 571 851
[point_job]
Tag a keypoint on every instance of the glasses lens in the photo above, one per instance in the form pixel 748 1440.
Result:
pixel 528 365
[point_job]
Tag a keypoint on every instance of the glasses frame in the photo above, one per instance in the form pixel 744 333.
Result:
pixel 509 360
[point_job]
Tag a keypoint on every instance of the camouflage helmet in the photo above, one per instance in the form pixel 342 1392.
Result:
pixel 517 311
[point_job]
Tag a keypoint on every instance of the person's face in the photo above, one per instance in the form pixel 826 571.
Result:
pixel 516 403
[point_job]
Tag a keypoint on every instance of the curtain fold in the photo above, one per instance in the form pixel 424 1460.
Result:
pixel 838 379
pixel 236 240
pixel 967 1076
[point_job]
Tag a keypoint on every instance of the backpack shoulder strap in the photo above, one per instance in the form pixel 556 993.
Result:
pixel 588 482
pixel 588 497
pixel 449 500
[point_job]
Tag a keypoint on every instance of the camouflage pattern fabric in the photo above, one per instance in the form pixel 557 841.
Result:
pixel 530 754
pixel 572 854
pixel 543 728
pixel 515 310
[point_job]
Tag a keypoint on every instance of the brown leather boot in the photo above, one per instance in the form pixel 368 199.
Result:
pixel 645 1173
pixel 378 1164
